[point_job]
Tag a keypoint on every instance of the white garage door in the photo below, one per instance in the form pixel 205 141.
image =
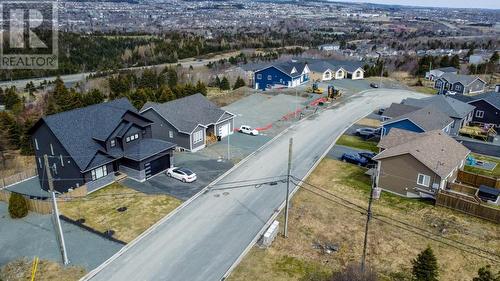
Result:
pixel 224 130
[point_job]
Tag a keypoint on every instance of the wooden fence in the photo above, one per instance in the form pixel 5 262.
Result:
pixel 462 188
pixel 34 205
pixel 18 177
pixel 467 204
pixel 477 180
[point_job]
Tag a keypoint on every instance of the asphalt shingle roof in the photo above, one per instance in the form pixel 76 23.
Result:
pixel 77 129
pixel 428 118
pixel 187 113
pixel 453 107
pixel 435 149
pixel 491 97
pixel 449 69
pixel 146 148
pixel 398 109
pixel 321 65
pixel 395 137
pixel 453 78
pixel 288 66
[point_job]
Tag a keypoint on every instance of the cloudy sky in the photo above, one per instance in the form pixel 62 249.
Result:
pixel 490 4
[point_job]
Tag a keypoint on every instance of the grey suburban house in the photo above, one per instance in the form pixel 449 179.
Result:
pixel 189 122
pixel 438 72
pixel 460 112
pixel 90 145
pixel 460 84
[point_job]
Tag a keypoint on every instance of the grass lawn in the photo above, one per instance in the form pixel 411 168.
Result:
pixel 99 210
pixel 46 271
pixel 390 249
pixel 494 173
pixel 357 142
pixel 425 90
pixel 369 122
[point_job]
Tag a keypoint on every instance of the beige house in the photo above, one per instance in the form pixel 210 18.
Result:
pixel 414 164
pixel 326 70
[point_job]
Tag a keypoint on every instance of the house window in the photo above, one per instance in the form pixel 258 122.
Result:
pixel 269 77
pixel 36 144
pixel 51 149
pixel 127 139
pixel 259 76
pixel 171 134
pixel 197 137
pixel 62 161
pixel 136 136
pixel 113 143
pixel 457 87
pixel 479 114
pixel 423 180
pixel 40 162
pixel 98 173
pixel 54 169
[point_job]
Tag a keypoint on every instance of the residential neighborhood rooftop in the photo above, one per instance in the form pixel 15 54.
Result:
pixel 462 78
pixel 428 118
pixel 398 109
pixel 454 108
pixel 435 149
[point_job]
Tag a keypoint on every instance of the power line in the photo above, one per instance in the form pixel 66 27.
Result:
pixel 409 227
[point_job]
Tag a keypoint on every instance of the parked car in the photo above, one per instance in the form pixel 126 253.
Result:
pixel 367 132
pixel 248 130
pixel 368 156
pixel 354 159
pixel 182 174
pixel 373 85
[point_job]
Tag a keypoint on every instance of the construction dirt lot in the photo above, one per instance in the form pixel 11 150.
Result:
pixel 317 220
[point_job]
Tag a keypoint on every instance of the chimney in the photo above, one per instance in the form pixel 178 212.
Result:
pixel 497 88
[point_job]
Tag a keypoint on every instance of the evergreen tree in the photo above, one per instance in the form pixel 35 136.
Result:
pixel 25 143
pixel 494 58
pixel 455 62
pixel 239 83
pixel 217 82
pixel 18 207
pixel 93 97
pixel 11 99
pixel 224 84
pixel 165 94
pixel 172 79
pixel 201 88
pixel 485 274
pixel 425 266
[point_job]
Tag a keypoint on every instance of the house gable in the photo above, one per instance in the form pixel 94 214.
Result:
pixel 404 124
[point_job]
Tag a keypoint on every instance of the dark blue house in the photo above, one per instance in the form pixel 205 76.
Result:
pixel 283 75
pixel 422 120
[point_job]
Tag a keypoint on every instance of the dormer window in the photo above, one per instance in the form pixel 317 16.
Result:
pixel 132 137
pixel 113 143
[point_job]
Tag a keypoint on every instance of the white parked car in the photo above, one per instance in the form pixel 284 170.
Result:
pixel 182 174
pixel 248 130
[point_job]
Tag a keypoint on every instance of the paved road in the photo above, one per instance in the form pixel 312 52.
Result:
pixel 71 79
pixel 204 239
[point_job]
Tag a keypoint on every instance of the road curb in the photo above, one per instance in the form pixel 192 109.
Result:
pixel 280 208
pixel 95 271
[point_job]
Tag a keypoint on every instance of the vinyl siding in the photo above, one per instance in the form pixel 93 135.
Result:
pixel 491 113
pixel 399 174
pixel 69 172
pixel 161 130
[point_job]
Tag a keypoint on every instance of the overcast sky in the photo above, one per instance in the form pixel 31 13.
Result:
pixel 490 4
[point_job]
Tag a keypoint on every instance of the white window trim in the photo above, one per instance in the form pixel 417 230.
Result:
pixel 36 144
pixel 51 149
pixel 424 180
pixel 171 134
pixel 99 172
pixel 112 143
pixel 127 139
pixel 62 161
pixel 269 77
pixel 40 162
pixel 197 137
pixel 479 114
pixel 259 76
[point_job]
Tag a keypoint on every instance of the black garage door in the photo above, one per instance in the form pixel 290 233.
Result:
pixel 154 167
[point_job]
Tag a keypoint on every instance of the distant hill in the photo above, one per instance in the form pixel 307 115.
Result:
pixel 115 1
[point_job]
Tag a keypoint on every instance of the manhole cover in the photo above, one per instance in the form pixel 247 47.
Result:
pixel 121 209
pixel 109 232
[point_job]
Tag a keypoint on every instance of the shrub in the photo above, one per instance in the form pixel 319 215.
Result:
pixel 18 207
pixel 425 266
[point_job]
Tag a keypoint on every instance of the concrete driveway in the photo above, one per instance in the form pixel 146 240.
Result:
pixel 34 236
pixel 205 238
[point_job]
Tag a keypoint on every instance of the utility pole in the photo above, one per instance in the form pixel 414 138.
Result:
pixel 285 233
pixel 368 218
pixel 228 143
pixel 55 211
